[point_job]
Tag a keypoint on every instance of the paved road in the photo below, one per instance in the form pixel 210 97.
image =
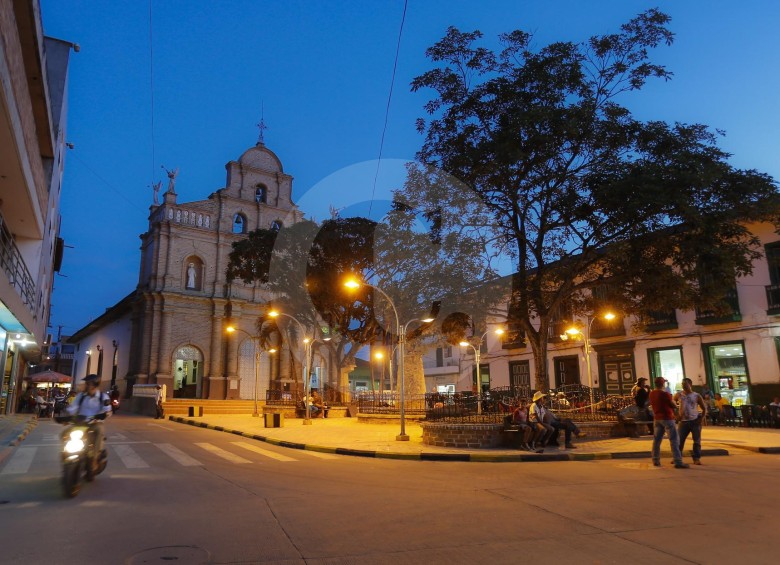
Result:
pixel 174 492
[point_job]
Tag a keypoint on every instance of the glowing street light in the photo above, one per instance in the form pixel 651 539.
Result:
pixel 308 342
pixel 476 349
pixel 573 331
pixel 256 340
pixel 354 284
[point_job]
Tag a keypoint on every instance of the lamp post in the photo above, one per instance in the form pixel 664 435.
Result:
pixel 256 340
pixel 380 357
pixel 307 354
pixel 401 332
pixel 586 346
pixel 476 349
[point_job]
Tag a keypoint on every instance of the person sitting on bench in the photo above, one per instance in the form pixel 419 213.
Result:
pixel 317 406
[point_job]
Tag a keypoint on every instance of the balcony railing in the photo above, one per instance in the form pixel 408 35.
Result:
pixel 657 321
pixel 12 262
pixel 731 313
pixel 773 299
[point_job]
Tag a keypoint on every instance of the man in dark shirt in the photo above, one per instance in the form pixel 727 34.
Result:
pixel 663 414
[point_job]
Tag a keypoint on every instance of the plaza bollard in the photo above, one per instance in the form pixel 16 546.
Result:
pixel 274 420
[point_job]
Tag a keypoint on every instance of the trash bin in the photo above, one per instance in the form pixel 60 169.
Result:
pixel 274 420
pixel 193 411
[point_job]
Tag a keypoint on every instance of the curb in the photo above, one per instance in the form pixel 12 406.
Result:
pixel 764 450
pixel 423 456
pixel 27 429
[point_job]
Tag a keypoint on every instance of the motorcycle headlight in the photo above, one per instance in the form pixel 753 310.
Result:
pixel 76 434
pixel 74 445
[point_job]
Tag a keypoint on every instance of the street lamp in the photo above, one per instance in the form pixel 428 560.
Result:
pixel 401 332
pixel 256 340
pixel 380 357
pixel 308 342
pixel 476 349
pixel 586 344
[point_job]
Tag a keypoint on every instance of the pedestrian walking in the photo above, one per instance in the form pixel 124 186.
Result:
pixel 664 421
pixel 159 396
pixel 691 418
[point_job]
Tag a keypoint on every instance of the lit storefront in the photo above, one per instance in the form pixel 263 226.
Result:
pixel 727 371
pixel 667 363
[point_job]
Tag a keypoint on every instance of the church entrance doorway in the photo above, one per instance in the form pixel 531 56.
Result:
pixel 187 367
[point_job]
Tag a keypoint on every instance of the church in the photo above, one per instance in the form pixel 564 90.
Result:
pixel 172 329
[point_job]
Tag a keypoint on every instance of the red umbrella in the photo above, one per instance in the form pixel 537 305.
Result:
pixel 49 377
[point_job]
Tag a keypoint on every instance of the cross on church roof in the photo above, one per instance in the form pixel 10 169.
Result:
pixel 262 127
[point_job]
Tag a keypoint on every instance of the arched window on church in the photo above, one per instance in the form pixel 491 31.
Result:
pixel 261 194
pixel 276 225
pixel 239 223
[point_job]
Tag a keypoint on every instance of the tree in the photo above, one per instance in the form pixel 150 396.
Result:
pixel 586 200
pixel 302 266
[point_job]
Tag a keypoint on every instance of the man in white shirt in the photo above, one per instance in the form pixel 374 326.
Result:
pixel 537 414
pixel 92 404
pixel 691 417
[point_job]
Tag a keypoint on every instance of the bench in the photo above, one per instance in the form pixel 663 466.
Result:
pixel 300 410
pixel 631 428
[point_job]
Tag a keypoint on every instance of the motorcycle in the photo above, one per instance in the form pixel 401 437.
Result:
pixel 114 405
pixel 78 454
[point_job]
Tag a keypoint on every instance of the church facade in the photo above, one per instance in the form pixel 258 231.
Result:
pixel 176 320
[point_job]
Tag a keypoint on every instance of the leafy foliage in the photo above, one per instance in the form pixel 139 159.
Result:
pixel 575 190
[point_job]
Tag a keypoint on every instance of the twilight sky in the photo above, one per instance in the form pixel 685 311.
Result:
pixel 322 71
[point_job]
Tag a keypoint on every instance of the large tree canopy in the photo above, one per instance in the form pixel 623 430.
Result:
pixel 575 190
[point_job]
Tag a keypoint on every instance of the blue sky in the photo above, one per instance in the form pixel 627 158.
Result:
pixel 321 71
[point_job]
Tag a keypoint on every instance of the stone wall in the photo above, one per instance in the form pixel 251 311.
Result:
pixel 474 436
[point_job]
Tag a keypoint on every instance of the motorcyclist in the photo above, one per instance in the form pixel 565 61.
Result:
pixel 92 404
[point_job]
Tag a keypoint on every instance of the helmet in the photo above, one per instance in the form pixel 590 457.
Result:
pixel 93 379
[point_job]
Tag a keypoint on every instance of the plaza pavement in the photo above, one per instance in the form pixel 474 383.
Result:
pixel 347 436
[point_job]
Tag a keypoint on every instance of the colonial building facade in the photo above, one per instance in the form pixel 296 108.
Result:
pixel 33 117
pixel 172 329
pixel 736 355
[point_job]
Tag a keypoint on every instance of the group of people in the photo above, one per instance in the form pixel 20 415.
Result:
pixel 539 427
pixel 677 416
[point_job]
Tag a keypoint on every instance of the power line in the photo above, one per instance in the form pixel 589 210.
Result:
pixel 387 109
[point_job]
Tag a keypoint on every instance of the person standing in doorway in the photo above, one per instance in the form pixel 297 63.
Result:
pixel 663 414
pixel 691 418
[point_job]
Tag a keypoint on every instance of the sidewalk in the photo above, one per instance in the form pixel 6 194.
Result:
pixel 13 429
pixel 348 437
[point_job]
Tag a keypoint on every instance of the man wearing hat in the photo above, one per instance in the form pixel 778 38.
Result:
pixel 538 415
pixel 663 413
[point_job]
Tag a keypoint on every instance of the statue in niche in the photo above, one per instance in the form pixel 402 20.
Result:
pixel 191 275
pixel 156 187
pixel 171 178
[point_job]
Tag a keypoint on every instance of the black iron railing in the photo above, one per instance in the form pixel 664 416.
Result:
pixel 12 262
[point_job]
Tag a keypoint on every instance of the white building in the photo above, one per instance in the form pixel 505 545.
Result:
pixel 736 355
pixel 33 110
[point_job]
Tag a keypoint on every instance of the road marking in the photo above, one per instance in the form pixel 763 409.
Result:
pixel 117 436
pixel 261 451
pixel 28 504
pixel 20 462
pixel 178 455
pixel 166 428
pixel 129 457
pixel 51 437
pixel 222 453
pixel 319 454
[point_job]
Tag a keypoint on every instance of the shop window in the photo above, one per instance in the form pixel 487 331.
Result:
pixel 667 363
pixel 728 370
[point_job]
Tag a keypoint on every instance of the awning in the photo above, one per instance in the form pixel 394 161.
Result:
pixel 49 377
